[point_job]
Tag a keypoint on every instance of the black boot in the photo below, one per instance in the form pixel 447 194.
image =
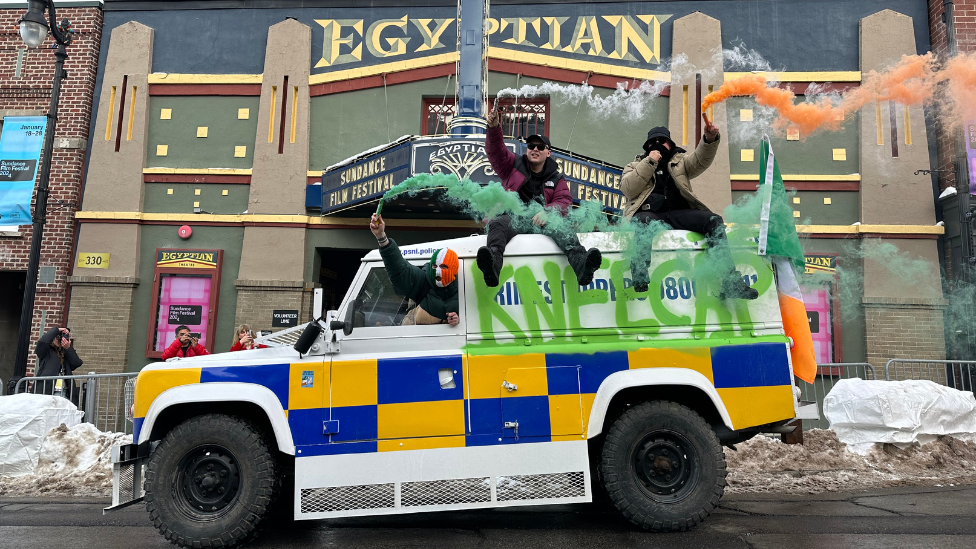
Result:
pixel 490 264
pixel 584 265
pixel 735 287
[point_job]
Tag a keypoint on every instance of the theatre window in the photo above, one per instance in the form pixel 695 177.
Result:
pixel 186 284
pixel 522 118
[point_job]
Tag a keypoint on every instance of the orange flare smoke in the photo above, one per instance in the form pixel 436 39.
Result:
pixel 913 81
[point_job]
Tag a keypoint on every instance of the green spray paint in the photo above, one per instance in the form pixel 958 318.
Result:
pixel 534 303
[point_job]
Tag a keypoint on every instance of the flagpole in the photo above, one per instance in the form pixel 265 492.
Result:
pixel 767 195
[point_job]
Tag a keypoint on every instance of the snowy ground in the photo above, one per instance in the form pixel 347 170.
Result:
pixel 77 462
pixel 72 462
pixel 823 464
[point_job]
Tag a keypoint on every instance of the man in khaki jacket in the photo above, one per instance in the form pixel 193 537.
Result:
pixel 657 185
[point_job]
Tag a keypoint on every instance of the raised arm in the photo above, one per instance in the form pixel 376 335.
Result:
pixel 43 346
pixel 407 279
pixel 697 162
pixel 502 160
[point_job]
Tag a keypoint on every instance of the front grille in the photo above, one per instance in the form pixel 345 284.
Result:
pixel 445 492
pixel 548 486
pixel 347 498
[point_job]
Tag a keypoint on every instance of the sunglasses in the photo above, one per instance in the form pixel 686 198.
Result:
pixel 536 146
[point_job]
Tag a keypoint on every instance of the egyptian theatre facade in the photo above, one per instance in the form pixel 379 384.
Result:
pixel 236 153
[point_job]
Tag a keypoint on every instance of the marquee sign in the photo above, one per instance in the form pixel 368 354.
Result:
pixel 367 177
pixel 363 37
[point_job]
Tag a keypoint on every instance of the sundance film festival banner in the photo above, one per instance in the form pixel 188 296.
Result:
pixel 20 151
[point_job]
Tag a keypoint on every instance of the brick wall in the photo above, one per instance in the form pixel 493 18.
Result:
pixel 965 25
pixel 903 328
pixel 257 299
pixel 30 92
pixel 101 321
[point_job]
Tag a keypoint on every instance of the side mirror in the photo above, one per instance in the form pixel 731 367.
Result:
pixel 308 337
pixel 344 325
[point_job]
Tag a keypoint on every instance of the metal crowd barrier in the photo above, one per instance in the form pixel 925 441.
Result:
pixel 958 374
pixel 102 397
pixel 827 376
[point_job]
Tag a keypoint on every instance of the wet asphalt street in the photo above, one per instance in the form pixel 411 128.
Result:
pixel 902 518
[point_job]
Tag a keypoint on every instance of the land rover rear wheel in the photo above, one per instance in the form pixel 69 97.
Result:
pixel 210 482
pixel 663 467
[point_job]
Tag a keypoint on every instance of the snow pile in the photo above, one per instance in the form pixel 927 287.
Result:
pixel 949 191
pixel 73 461
pixel 25 420
pixel 863 412
pixel 824 464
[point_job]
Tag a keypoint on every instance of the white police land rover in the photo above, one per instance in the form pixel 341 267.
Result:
pixel 544 393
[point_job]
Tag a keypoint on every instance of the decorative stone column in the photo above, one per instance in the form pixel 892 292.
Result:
pixel 103 304
pixel 272 273
pixel 699 37
pixel 903 311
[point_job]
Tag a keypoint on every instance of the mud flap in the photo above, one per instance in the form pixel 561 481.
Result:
pixel 128 462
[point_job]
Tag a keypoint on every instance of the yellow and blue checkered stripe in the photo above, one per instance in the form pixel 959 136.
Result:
pixel 390 404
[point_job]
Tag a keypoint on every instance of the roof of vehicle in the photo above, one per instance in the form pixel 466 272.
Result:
pixel 537 244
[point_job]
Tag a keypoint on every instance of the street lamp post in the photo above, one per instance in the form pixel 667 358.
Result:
pixel 34 30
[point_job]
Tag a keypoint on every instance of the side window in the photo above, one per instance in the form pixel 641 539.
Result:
pixel 378 303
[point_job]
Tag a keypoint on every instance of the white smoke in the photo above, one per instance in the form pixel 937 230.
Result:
pixel 630 102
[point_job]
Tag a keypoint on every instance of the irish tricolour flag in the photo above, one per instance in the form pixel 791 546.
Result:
pixel 778 239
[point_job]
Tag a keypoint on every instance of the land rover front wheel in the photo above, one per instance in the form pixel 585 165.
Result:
pixel 210 482
pixel 663 466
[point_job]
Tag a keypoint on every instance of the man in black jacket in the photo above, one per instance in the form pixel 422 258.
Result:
pixel 57 357
pixel 433 286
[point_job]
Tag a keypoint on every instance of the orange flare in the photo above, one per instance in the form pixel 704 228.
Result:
pixel 914 80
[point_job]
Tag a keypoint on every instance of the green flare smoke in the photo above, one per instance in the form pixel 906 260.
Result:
pixel 482 202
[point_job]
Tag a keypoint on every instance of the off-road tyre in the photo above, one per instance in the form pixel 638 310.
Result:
pixel 200 448
pixel 690 458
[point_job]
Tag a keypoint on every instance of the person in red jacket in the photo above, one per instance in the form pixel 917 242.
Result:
pixel 535 177
pixel 244 339
pixel 184 346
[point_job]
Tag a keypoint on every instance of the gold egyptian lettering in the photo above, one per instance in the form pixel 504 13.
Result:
pixel 555 24
pixel 397 46
pixel 333 41
pixel 519 25
pixel 628 31
pixel 432 38
pixel 587 32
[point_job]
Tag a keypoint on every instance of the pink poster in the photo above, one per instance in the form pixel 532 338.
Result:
pixel 183 300
pixel 817 303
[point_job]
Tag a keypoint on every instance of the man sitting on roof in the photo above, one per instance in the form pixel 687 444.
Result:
pixel 536 178
pixel 433 286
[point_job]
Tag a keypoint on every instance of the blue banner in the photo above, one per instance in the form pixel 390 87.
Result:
pixel 20 150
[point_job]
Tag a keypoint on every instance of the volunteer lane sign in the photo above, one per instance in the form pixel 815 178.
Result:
pixel 284 318
pixel 20 151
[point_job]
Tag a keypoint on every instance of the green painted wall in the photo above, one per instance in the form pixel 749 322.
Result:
pixel 211 198
pixel 228 239
pixel 811 155
pixel 844 207
pixel 225 131
pixel 346 124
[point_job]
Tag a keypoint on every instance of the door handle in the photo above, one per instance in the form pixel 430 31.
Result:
pixel 510 386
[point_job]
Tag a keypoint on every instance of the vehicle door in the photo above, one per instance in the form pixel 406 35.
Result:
pixel 396 382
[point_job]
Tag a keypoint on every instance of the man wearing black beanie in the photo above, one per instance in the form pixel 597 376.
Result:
pixel 658 188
